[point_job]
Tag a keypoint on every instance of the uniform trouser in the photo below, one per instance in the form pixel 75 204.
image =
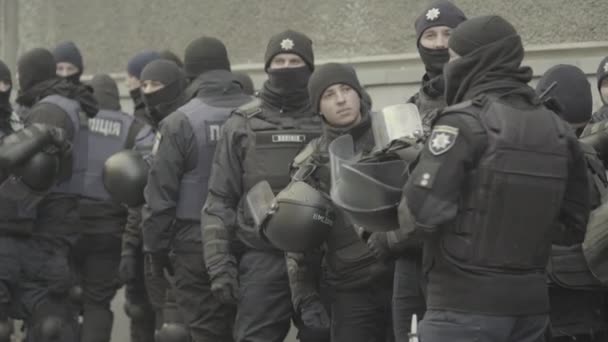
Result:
pixel 96 258
pixel 363 314
pixel 408 297
pixel 143 324
pixel 206 318
pixel 264 310
pixel 35 279
pixel 451 326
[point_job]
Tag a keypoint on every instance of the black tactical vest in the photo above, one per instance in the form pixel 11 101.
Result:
pixel 16 216
pixel 273 144
pixel 512 198
pixel 108 133
pixel 206 122
pixel 80 144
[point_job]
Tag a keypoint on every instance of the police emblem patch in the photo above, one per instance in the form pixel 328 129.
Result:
pixel 442 139
pixel 432 14
pixel 287 44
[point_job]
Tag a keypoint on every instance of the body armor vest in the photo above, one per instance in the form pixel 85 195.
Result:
pixel 206 122
pixel 273 145
pixel 16 217
pixel 512 198
pixel 80 145
pixel 108 133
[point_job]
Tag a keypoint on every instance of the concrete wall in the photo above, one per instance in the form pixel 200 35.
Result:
pixel 110 31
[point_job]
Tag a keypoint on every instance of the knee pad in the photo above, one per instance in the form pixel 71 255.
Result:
pixel 50 328
pixel 6 330
pixel 52 321
pixel 136 311
pixel 172 332
pixel 75 294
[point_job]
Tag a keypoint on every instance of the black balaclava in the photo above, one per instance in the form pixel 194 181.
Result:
pixel 245 82
pixel 105 91
pixel 490 59
pixel 166 100
pixel 68 52
pixel 602 73
pixel 205 54
pixel 35 66
pixel 570 96
pixel 36 70
pixel 5 103
pixel 170 56
pixel 286 89
pixel 440 13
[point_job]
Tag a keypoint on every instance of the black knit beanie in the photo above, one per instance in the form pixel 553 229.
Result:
pixel 138 62
pixel 439 13
pixel 478 32
pixel 290 42
pixel 205 54
pixel 327 75
pixel 68 52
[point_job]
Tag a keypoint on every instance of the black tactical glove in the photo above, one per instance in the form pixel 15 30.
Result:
pixel 127 270
pixel 158 262
pixel 315 320
pixel 225 287
pixel 378 244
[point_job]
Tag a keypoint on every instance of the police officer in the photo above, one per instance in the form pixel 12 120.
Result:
pixel 32 155
pixel 134 68
pixel 131 268
pixel 433 28
pixel 163 85
pixel 69 61
pixel 176 189
pixel 61 104
pixel 602 86
pixel 496 173
pixel 97 252
pixel 576 314
pixel 360 283
pixel 258 142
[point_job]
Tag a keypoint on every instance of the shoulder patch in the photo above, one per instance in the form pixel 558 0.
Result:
pixel 250 109
pixel 442 139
